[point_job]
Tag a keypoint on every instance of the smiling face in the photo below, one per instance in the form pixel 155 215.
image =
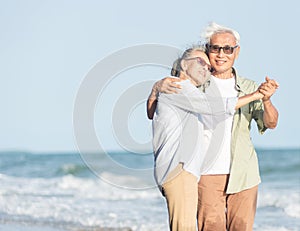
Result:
pixel 221 62
pixel 196 67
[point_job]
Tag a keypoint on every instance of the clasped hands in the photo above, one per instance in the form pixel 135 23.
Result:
pixel 267 89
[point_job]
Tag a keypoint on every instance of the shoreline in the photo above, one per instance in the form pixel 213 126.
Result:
pixel 14 226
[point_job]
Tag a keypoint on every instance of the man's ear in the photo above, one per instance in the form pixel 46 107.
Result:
pixel 237 52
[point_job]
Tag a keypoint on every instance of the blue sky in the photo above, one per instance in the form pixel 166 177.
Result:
pixel 48 47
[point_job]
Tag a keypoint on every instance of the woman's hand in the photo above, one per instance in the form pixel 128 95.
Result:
pixel 257 94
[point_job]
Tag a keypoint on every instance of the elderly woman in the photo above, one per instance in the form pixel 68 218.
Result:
pixel 178 128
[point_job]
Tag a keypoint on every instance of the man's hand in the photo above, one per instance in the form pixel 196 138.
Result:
pixel 268 88
pixel 167 85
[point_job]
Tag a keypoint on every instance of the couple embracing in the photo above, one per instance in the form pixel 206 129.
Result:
pixel 205 163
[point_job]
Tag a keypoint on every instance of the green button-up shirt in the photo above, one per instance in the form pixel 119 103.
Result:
pixel 244 172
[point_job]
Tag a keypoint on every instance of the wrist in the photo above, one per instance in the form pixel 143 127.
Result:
pixel 266 99
pixel 267 102
pixel 256 95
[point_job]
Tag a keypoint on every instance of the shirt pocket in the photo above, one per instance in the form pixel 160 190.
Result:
pixel 245 125
pixel 246 112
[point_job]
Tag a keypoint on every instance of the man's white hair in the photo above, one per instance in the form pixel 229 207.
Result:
pixel 214 28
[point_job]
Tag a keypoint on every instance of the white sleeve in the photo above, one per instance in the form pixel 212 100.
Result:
pixel 191 99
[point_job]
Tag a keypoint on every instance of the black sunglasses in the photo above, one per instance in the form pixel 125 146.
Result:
pixel 228 50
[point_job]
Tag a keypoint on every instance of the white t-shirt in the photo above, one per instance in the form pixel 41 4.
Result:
pixel 178 129
pixel 218 137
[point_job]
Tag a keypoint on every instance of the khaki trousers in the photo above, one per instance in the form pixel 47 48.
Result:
pixel 181 192
pixel 218 211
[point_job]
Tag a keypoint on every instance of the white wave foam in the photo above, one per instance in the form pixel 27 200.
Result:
pixel 128 181
pixel 272 228
pixel 70 185
pixel 84 201
pixel 92 202
pixel 288 201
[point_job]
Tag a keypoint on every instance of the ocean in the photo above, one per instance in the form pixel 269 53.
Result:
pixel 68 191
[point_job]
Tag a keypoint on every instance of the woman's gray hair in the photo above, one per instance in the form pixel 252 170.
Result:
pixel 186 54
pixel 214 28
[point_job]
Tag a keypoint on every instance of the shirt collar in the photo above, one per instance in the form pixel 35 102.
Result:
pixel 238 81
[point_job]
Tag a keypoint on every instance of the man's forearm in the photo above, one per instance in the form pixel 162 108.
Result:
pixel 151 106
pixel 152 102
pixel 166 85
pixel 270 114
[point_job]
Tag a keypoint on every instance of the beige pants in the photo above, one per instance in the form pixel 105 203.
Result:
pixel 181 192
pixel 219 211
